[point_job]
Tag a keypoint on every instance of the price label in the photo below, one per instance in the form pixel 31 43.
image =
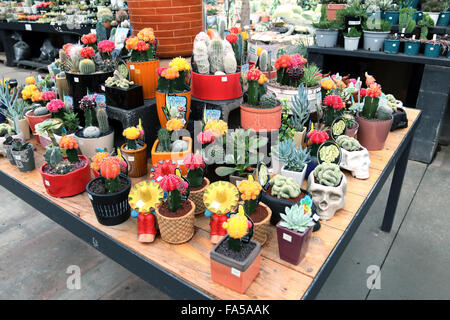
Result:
pixel 316 217
pixel 131 66
pixel 215 205
pixel 224 79
pixel 52 23
pixel 354 23
pixel 140 204
pixel 287 237
pixel 131 159
pixel 76 79
pixel 394 44
pixel 238 183
pixel 159 178
pixel 94 31
pixel 235 272
pixel 103 88
pixel 180 162
pixel 28 27
pixel 47 183
pixel 17 157
pixel 90 197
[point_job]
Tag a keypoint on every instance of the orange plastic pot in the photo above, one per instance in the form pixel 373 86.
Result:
pixel 161 102
pixel 144 74
pixel 226 87
pixel 175 156
pixel 260 119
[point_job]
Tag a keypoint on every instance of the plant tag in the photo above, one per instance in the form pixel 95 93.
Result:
pixel 28 27
pixel 224 79
pixel 403 30
pixel 434 37
pixel 131 66
pixel 94 31
pixel 47 183
pixel 103 88
pixel 159 178
pixel 90 197
pixel 354 23
pixel 376 40
pixel 76 79
pixel 52 23
pixel 131 159
pixel 394 44
pixel 414 37
pixel 17 157
pixel 215 205
pixel 235 272
pixel 180 162
pixel 140 203
pixel 316 217
pixel 287 237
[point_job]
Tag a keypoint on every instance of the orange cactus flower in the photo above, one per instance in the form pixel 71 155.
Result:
pixel 170 74
pixel 110 168
pixel 68 142
pixel 328 84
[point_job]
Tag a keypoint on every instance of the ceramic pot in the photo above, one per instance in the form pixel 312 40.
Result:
pixel 292 246
pixel 144 74
pixel 373 41
pixel 260 119
pixel 297 176
pixel 351 43
pixel 282 93
pixel 78 84
pixel 62 85
pixel 137 161
pixel 314 98
pixel 176 230
pixel 299 138
pixel 373 133
pixel 88 146
pixel 261 228
pixel 196 196
pixel 352 132
pixel 24 159
pixel 326 38
pixel 357 162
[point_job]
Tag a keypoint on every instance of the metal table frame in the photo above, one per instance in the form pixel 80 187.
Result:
pixel 178 288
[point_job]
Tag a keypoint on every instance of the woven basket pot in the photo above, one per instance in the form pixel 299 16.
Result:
pixel 176 230
pixel 197 198
pixel 261 229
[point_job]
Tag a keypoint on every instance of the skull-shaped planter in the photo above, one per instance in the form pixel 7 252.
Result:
pixel 358 162
pixel 327 199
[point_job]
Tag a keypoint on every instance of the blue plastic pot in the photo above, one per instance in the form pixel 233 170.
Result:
pixel 418 15
pixel 391 46
pixel 412 48
pixel 432 50
pixel 412 3
pixel 391 16
pixel 444 19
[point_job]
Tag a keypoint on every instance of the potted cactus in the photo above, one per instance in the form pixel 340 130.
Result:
pixel 96 132
pixel 5 131
pixel 109 193
pixel 135 151
pixel 328 186
pixel 259 212
pixel 295 160
pixel 355 158
pixel 143 61
pixel 294 231
pixel 261 111
pixel 23 155
pixel 433 8
pixel 175 215
pixel 390 11
pixel 375 31
pixel 196 168
pixel 122 93
pixel 35 116
pixel 327 33
pixel 235 260
pixel 215 66
pixel 399 117
pixel 173 94
pixel 392 43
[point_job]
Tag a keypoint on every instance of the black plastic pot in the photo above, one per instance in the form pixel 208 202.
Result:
pixel 399 120
pixel 113 208
pixel 8 151
pixel 24 159
pixel 125 98
pixel 79 84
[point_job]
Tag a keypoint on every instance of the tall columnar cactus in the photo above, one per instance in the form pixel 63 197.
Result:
pixel 229 63
pixel 201 57
pixel 102 119
pixel 87 66
pixel 164 139
pixel 215 52
pixel 328 174
pixel 348 143
pixel 283 187
pixel 222 28
pixel 263 61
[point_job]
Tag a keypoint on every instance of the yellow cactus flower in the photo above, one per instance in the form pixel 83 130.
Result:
pixel 174 124
pixel 30 80
pixel 97 159
pixel 237 225
pixel 328 84
pixel 180 64
pixel 28 91
pixel 221 197
pixel 258 51
pixel 131 43
pixel 249 189
pixel 145 196
pixel 217 127
pixel 245 35
pixel 131 133
pixel 262 79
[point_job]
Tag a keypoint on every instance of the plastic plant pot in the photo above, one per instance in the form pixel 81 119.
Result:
pixel 391 46
pixel 260 119
pixel 434 16
pixel 418 15
pixel 399 119
pixel 161 102
pixel 373 133
pixel 34 120
pixel 412 48
pixel 226 87
pixel 292 246
pixel 351 43
pixel 24 159
pixel 111 208
pixel 144 74
pixel 175 156
pixel 326 38
pixel 125 98
pixel 391 16
pixel 444 19
pixel 88 146
pixel 137 160
pixel 432 50
pixel 373 41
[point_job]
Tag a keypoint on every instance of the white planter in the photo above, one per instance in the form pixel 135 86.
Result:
pixel 88 146
pixel 434 16
pixel 351 43
pixel 23 127
pixel 297 176
pixel 276 165
pixel 314 98
pixel 357 162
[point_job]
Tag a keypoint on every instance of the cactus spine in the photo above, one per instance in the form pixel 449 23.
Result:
pixel 229 63
pixel 201 57
pixel 102 119
pixel 87 66
pixel 164 140
pixel 215 52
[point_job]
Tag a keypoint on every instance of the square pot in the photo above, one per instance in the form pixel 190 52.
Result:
pixel 235 275
pixel 432 50
pixel 292 245
pixel 297 176
pixel 125 98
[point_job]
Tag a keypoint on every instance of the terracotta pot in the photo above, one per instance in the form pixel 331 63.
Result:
pixel 34 120
pixel 175 156
pixel 332 9
pixel 235 275
pixel 88 146
pixel 144 74
pixel 161 102
pixel 265 18
pixel 67 185
pixel 226 87
pixel 373 133
pixel 176 230
pixel 137 161
pixel 62 85
pixel 260 119
pixel 292 245
pixel 261 229
pixel 196 196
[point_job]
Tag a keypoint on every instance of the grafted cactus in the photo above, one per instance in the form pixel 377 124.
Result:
pixel 348 143
pixel 283 187
pixel 215 52
pixel 328 174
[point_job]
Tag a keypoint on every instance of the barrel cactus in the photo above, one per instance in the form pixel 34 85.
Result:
pixel 348 143
pixel 87 66
pixel 91 132
pixel 328 174
pixel 283 187
pixel 229 63
pixel 268 101
pixel 215 52
pixel 40 111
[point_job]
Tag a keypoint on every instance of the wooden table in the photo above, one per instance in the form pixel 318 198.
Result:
pixel 183 271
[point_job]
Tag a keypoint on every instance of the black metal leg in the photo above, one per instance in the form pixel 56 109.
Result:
pixel 394 192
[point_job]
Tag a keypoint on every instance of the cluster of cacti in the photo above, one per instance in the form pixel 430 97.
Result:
pixel 391 101
pixel 283 187
pixel 214 56
pixel 87 66
pixel 118 80
pixel 40 111
pixel 164 140
pixel 91 132
pixel 268 101
pixel 328 174
pixel 348 143
pixel 6 129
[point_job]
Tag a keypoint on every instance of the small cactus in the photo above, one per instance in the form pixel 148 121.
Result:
pixel 283 187
pixel 87 66
pixel 328 174
pixel 6 129
pixel 348 143
pixel 123 70
pixel 102 119
pixel 268 101
pixel 63 168
pixel 91 132
pixel 40 111
pixel 229 63
pixel 263 61
pixel 53 156
pixel 215 52
pixel 164 139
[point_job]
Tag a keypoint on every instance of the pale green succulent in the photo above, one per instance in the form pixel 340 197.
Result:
pixel 296 219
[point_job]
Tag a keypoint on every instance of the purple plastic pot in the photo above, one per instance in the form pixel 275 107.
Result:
pixel 292 245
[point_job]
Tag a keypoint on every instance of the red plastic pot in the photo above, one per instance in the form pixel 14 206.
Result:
pixel 34 120
pixel 226 87
pixel 292 245
pixel 67 185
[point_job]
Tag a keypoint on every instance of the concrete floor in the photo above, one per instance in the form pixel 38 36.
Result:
pixel 413 258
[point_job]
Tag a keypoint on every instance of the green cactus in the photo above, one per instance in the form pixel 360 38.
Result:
pixel 71 121
pixel 348 143
pixel 63 168
pixel 370 107
pixel 229 63
pixel 87 66
pixel 268 101
pixel 102 119
pixel 215 52
pixel 164 139
pixel 221 29
pixel 100 30
pixel 281 51
pixel 263 61
pixel 53 156
pixel 40 111
pixel 384 112
pixel 328 174
pixel 6 129
pixel 91 132
pixel 283 187
pixel 123 70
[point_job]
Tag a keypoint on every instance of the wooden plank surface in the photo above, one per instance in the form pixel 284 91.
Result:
pixel 190 261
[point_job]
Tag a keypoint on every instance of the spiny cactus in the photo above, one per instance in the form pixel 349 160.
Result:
pixel 222 29
pixel 164 139
pixel 201 57
pixel 215 52
pixel 268 101
pixel 283 187
pixel 100 31
pixel 87 66
pixel 91 132
pixel 102 119
pixel 229 63
pixel 263 61
pixel 384 112
pixel 348 143
pixel 328 174
pixel 295 74
pixel 40 111
pixel 63 168
pixel 227 47
pixel 53 156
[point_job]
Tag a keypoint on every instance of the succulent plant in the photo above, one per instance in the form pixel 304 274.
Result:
pixel 164 139
pixel 268 101
pixel 87 66
pixel 215 52
pixel 91 132
pixel 102 119
pixel 71 121
pixel 40 111
pixel 299 108
pixel 53 156
pixel 328 174
pixel 263 61
pixel 6 129
pixel 348 143
pixel 297 159
pixel 123 70
pixel 229 63
pixel 118 80
pixel 296 219
pixel 201 57
pixel 283 187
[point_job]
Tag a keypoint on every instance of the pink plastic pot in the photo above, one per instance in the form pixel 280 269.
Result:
pixel 220 87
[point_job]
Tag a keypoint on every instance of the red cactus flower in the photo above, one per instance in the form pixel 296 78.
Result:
pixel 142 45
pixel 318 137
pixel 334 101
pixel 106 46
pixel 87 53
pixel 363 92
pixel 162 169
pixel 297 60
pixel 231 38
pixel 90 38
pixel 194 161
pixel 205 137
pixel 234 30
pixel 170 182
pixel 110 168
pixel 253 74
pixel 284 61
